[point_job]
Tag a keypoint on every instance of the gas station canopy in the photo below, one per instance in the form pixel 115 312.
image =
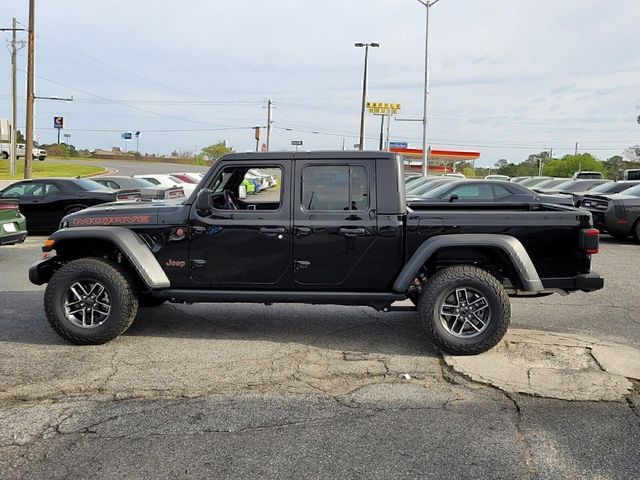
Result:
pixel 440 160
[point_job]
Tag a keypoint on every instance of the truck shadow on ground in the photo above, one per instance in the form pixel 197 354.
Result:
pixel 339 328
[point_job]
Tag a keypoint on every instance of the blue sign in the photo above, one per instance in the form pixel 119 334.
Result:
pixel 58 122
pixel 398 145
pixel 127 135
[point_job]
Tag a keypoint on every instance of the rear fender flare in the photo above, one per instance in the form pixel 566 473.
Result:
pixel 511 246
pixel 131 246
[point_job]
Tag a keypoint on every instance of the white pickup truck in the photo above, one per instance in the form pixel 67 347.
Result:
pixel 20 151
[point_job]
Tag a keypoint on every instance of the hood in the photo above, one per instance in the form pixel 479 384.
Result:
pixel 122 214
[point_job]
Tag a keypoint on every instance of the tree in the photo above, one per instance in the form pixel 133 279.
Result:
pixel 20 137
pixel 570 164
pixel 215 151
pixel 633 153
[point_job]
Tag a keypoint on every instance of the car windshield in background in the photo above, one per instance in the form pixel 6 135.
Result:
pixel 141 182
pixel 635 191
pixel 550 183
pixel 613 187
pixel 573 186
pixel 85 184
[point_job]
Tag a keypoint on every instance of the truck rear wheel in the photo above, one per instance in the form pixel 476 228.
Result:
pixel 90 301
pixel 464 310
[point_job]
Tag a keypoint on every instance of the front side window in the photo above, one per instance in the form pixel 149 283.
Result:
pixel 335 187
pixel 248 188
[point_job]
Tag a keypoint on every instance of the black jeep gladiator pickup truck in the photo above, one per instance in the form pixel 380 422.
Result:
pixel 320 228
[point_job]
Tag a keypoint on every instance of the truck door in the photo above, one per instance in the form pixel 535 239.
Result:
pixel 246 239
pixel 334 220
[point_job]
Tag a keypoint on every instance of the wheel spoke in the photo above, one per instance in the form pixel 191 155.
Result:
pixel 75 292
pixel 87 304
pixel 465 312
pixel 464 322
pixel 461 295
pixel 480 309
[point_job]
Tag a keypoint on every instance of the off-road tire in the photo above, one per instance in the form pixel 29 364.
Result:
pixel 437 288
pixel 119 285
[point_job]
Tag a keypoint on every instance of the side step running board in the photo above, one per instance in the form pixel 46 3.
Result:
pixel 262 296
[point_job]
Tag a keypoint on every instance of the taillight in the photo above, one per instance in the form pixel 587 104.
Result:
pixel 590 240
pixel 8 206
pixel 128 196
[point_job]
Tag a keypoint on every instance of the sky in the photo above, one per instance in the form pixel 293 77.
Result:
pixel 508 78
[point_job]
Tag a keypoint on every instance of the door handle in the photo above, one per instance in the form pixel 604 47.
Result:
pixel 272 230
pixel 302 231
pixel 352 231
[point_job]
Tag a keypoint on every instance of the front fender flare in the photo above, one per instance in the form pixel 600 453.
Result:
pixel 131 246
pixel 511 246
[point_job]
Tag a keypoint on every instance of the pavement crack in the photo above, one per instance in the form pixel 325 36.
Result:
pixel 522 439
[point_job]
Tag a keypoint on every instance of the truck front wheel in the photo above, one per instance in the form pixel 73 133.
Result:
pixel 464 310
pixel 90 301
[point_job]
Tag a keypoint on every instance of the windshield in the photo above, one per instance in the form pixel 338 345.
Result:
pixel 141 182
pixel 85 184
pixel 613 187
pixel 635 191
pixel 551 183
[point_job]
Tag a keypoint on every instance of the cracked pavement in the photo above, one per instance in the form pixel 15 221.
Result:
pixel 233 391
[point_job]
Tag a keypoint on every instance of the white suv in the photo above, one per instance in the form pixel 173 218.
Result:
pixel 20 151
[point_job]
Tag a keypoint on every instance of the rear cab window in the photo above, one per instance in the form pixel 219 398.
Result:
pixel 335 188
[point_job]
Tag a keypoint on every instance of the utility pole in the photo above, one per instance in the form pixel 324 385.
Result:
pixel 269 104
pixel 388 128
pixel 381 131
pixel 14 109
pixel 575 152
pixel 28 154
pixel 14 99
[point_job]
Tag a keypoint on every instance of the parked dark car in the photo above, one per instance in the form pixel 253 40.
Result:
pixel 571 186
pixel 607 188
pixel 148 190
pixel 44 201
pixel 13 225
pixel 617 214
pixel 489 191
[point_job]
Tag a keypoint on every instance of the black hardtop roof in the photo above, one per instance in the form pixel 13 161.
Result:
pixel 319 155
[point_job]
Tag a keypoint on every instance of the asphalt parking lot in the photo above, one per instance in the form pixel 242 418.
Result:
pixel 298 391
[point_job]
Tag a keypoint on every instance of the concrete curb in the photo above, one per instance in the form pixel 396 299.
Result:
pixel 554 365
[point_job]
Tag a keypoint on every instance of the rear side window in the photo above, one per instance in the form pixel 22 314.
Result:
pixel 335 187
pixel 478 191
pixel 500 192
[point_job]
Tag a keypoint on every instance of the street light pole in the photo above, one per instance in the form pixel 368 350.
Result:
pixel 425 154
pixel 364 87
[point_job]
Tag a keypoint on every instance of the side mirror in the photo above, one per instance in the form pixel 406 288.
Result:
pixel 203 200
pixel 453 198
